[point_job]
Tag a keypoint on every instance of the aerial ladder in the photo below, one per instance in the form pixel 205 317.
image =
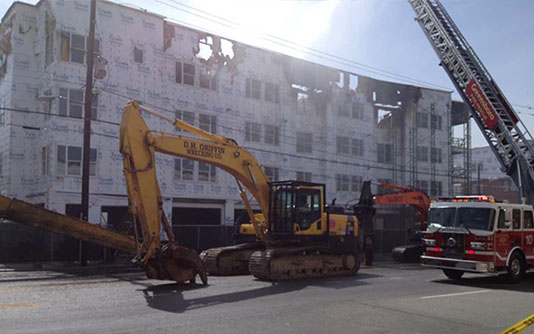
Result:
pixel 506 134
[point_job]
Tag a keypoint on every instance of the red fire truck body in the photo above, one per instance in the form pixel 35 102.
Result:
pixel 476 234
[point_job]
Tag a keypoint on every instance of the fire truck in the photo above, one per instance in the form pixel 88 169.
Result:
pixel 475 233
pixel 479 235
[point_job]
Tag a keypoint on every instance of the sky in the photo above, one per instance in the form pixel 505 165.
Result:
pixel 377 38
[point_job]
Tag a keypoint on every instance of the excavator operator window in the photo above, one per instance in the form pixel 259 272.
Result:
pixel 308 207
pixel 283 206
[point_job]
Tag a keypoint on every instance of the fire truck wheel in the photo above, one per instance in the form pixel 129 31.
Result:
pixel 453 274
pixel 516 268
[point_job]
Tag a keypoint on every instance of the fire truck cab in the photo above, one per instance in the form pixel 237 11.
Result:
pixel 479 235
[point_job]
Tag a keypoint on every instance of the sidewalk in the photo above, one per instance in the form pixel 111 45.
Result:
pixel 66 266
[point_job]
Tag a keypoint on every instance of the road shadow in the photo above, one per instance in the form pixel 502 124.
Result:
pixel 170 298
pixel 50 274
pixel 492 282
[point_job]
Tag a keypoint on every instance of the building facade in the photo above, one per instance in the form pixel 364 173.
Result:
pixel 301 120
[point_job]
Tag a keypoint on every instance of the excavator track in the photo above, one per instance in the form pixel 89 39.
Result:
pixel 231 260
pixel 288 263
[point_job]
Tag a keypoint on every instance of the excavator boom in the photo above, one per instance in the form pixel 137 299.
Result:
pixel 402 196
pixel 405 196
pixel 139 144
pixel 33 215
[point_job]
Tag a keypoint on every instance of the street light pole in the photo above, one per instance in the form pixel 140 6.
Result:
pixel 86 156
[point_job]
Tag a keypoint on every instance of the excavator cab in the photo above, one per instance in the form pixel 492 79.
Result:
pixel 297 208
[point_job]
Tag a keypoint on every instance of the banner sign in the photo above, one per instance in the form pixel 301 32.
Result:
pixel 481 103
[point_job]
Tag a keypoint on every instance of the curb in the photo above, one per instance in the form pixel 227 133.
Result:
pixel 43 266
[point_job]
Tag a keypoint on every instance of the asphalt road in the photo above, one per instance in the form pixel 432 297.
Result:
pixel 384 299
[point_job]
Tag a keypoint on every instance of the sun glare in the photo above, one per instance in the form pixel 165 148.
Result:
pixel 257 22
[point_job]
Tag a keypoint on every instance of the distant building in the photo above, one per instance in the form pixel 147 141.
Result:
pixel 487 177
pixel 301 120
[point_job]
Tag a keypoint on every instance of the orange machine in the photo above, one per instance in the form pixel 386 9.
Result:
pixel 365 211
pixel 406 196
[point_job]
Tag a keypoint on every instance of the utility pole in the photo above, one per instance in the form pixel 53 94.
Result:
pixel 478 179
pixel 87 128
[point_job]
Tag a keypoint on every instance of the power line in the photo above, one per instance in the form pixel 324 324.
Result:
pixel 444 172
pixel 249 148
pixel 233 25
pixel 298 47
pixel 296 155
pixel 113 123
pixel 366 67
pixel 56 115
pixel 172 112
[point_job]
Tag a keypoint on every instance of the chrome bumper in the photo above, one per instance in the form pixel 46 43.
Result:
pixel 458 264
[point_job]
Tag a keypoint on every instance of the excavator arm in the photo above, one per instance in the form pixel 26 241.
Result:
pixel 138 145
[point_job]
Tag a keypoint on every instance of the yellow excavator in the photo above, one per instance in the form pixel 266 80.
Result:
pixel 296 236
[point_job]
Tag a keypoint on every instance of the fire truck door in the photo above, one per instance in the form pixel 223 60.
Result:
pixel 516 237
pixel 528 235
pixel 502 239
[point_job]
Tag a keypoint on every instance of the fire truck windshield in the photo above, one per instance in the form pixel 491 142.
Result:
pixel 441 217
pixel 476 218
pixel 470 218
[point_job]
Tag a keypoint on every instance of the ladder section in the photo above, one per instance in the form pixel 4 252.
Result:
pixel 505 133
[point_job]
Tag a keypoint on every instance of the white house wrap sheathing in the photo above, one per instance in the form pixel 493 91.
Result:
pixel 296 99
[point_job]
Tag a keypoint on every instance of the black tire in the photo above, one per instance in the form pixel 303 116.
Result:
pixel 453 274
pixel 352 263
pixel 516 268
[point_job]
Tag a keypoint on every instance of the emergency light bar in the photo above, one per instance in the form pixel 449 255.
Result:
pixel 466 199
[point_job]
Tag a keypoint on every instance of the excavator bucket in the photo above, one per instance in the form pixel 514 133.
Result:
pixel 177 263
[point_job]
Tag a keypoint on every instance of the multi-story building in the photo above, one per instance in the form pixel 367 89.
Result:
pixel 301 120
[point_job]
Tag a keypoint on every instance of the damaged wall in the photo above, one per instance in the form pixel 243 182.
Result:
pixel 300 119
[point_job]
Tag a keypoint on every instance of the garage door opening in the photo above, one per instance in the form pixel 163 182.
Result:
pixel 196 216
pixel 200 228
